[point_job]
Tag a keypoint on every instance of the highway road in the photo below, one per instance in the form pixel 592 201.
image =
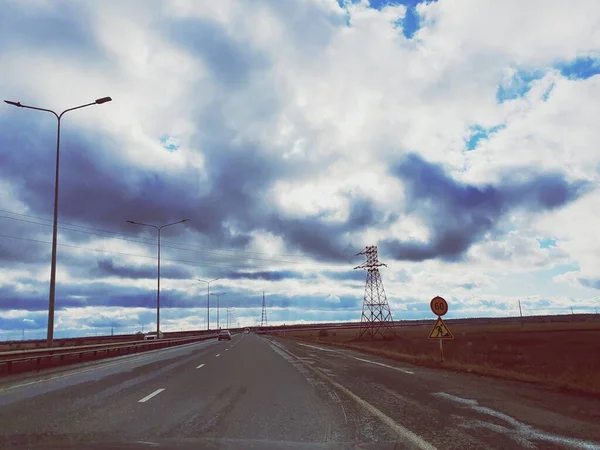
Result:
pixel 258 392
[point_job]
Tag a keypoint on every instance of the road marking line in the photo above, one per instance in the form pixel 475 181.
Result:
pixel 383 365
pixel 148 397
pixel 200 366
pixel 410 372
pixel 411 437
pixel 218 354
pixel 226 349
pixel 100 364
pixel 318 348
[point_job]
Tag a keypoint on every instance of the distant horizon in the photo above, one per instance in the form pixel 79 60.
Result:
pixel 269 157
pixel 62 334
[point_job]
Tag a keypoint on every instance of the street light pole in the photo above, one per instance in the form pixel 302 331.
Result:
pixel 158 271
pixel 51 300
pixel 218 298
pixel 208 300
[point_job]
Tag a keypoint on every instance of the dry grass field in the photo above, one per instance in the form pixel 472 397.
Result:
pixel 564 355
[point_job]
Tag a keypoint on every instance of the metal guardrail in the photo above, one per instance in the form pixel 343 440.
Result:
pixel 16 356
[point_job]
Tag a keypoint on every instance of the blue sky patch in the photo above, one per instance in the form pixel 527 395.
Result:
pixel 547 242
pixel 169 142
pixel 411 22
pixel 519 85
pixel 478 133
pixel 580 68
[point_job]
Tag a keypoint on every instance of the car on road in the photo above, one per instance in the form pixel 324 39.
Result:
pixel 152 335
pixel 224 334
pixel 247 331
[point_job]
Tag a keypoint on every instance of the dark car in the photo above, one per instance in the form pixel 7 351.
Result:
pixel 224 334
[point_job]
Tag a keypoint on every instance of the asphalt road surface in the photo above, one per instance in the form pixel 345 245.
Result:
pixel 257 392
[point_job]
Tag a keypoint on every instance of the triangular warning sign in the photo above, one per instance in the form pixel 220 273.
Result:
pixel 440 331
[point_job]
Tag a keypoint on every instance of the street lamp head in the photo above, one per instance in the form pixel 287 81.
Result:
pixel 131 221
pixel 13 103
pixel 103 100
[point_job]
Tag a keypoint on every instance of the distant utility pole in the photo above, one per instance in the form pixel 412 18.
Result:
pixel 521 313
pixel 572 310
pixel 263 319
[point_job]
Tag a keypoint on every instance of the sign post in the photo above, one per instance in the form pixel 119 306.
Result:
pixel 440 331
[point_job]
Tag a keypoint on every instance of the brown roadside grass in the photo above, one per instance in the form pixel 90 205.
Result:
pixel 563 356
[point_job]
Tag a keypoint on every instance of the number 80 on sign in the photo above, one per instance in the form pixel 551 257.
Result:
pixel 439 306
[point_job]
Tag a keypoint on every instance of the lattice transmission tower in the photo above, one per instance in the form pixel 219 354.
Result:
pixel 263 319
pixel 376 318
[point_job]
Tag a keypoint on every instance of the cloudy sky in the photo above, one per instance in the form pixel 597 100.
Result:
pixel 460 136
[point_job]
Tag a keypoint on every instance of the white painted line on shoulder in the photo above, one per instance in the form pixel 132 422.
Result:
pixel 410 372
pixel 149 396
pixel 414 439
pixel 218 354
pixel 384 365
pixel 318 348
pixel 200 366
pixel 226 349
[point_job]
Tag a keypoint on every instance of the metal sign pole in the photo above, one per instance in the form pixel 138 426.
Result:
pixel 441 350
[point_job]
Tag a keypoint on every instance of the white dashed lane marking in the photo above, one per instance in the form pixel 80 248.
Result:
pixel 149 396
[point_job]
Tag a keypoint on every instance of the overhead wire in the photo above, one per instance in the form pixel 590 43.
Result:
pixel 195 263
pixel 164 244
pixel 206 249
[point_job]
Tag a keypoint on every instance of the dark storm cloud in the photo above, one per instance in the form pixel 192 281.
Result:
pixel 100 190
pixel 356 275
pixel 108 268
pixel 59 27
pixel 459 215
pixel 231 62
pixel 10 298
pixel 593 283
pixel 271 275
pixel 108 295
pixel 326 239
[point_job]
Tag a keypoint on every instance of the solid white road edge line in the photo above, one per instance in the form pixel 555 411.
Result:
pixel 149 396
pixel 411 437
pixel 383 365
pixel 410 372
pixel 200 366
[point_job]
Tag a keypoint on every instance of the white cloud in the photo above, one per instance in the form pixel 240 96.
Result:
pixel 346 102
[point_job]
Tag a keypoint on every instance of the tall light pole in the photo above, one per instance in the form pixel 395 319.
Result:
pixel 208 300
pixel 158 273
pixel 218 298
pixel 228 317
pixel 51 300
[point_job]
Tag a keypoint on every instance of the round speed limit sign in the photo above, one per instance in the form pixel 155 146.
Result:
pixel 439 306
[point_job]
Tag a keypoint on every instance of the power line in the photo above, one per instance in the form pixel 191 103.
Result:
pixel 206 249
pixel 164 244
pixel 195 263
